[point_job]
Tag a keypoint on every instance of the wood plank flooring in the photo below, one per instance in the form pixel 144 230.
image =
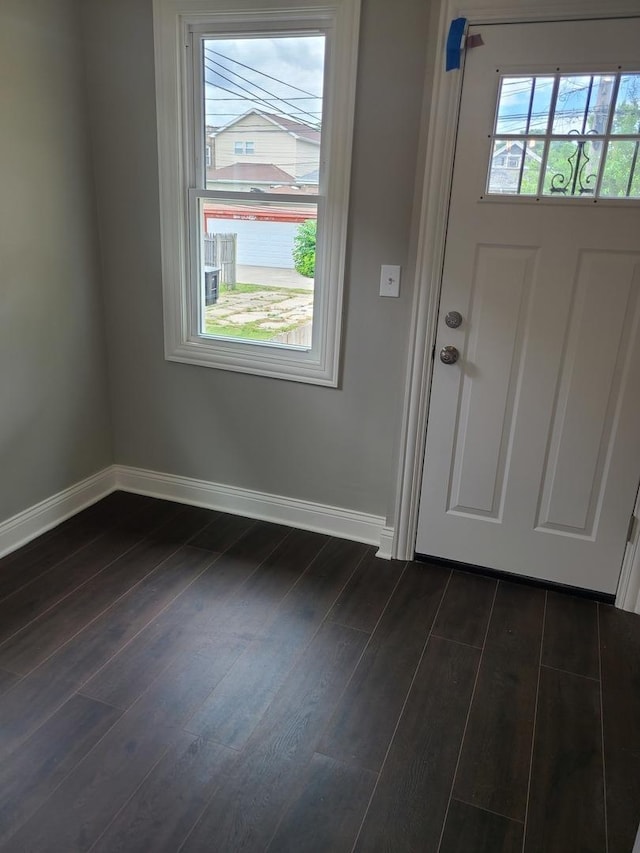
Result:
pixel 177 679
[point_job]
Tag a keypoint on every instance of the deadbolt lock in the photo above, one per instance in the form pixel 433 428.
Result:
pixel 453 319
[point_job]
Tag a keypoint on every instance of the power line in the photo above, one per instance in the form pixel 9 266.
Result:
pixel 266 99
pixel 255 98
pixel 251 83
pixel 264 73
pixel 260 128
pixel 243 99
pixel 218 115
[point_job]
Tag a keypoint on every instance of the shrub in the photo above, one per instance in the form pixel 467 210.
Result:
pixel 304 248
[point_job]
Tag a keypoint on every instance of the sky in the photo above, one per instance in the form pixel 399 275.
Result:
pixel 236 77
pixel 573 97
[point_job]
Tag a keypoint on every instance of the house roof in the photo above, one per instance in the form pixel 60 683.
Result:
pixel 312 177
pixel 256 173
pixel 295 128
pixel 298 128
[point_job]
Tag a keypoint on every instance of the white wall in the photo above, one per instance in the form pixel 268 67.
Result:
pixel 333 446
pixel 54 424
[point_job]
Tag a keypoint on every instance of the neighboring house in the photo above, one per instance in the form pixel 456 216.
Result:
pixel 261 152
pixel 261 139
pixel 505 166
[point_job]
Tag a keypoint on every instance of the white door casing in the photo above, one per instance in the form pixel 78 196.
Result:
pixel 532 456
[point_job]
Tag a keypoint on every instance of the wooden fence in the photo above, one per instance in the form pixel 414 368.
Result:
pixel 220 251
pixel 300 337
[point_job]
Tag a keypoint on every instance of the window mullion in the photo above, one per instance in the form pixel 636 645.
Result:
pixel 257 198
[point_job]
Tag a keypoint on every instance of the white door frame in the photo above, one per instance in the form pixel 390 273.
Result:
pixel 442 120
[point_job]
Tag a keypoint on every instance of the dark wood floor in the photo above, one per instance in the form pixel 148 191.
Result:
pixel 173 678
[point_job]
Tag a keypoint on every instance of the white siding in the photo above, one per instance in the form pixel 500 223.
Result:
pixel 307 157
pixel 271 144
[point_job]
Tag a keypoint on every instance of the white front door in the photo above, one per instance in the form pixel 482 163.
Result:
pixel 532 457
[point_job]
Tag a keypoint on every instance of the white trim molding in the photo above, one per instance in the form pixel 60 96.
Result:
pixel 179 29
pixel 385 551
pixel 441 123
pixel 628 595
pixel 25 526
pixel 334 521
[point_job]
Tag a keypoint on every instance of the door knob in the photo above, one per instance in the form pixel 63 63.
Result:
pixel 449 355
pixel 453 319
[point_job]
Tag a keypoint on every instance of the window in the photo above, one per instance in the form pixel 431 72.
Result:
pixel 253 250
pixel 579 135
pixel 241 147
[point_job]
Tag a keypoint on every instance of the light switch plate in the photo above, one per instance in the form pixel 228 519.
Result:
pixel 389 280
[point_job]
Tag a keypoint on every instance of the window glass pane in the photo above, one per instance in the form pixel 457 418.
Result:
pixel 534 153
pixel 263 112
pixel 257 271
pixel 524 104
pixel 541 105
pixel 508 175
pixel 513 105
pixel 572 167
pixel 583 104
pixel 626 117
pixel 621 176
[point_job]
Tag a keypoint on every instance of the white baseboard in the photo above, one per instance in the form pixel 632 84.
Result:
pixel 335 521
pixel 32 522
pixel 385 551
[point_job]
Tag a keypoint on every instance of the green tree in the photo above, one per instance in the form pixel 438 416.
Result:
pixel 622 153
pixel 304 248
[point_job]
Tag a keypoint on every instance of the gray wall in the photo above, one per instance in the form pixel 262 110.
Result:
pixel 54 424
pixel 335 446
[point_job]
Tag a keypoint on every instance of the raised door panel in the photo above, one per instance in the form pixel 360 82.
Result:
pixel 599 340
pixel 501 286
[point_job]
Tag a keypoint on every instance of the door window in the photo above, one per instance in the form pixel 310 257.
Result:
pixel 567 135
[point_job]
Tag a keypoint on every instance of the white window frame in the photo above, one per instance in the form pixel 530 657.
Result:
pixel 175 21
